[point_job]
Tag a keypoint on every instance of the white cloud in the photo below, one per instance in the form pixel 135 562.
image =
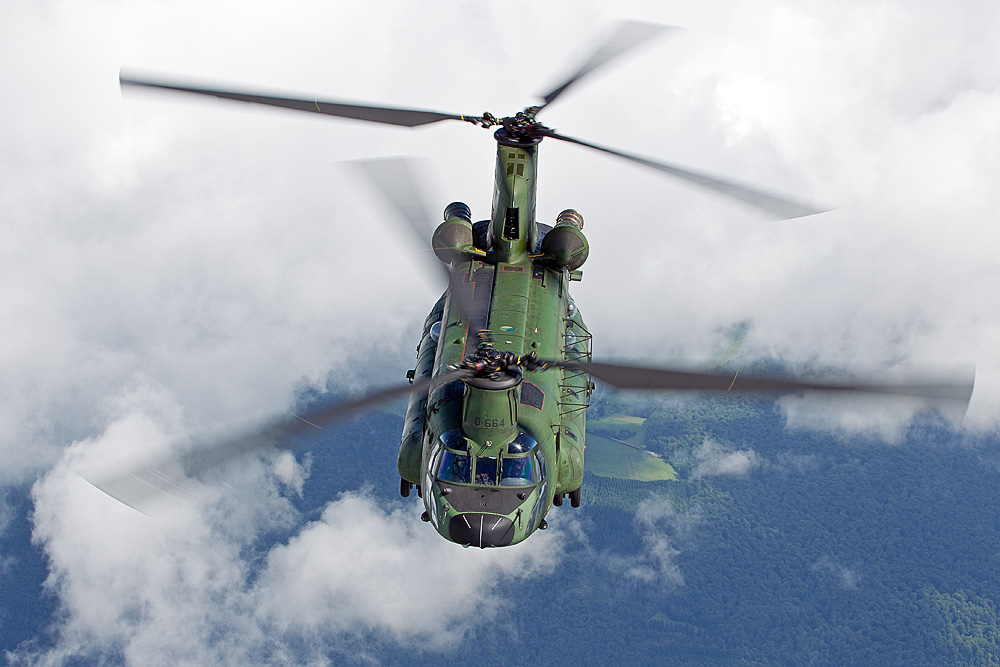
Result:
pixel 292 473
pixel 217 249
pixel 189 587
pixel 715 460
pixel 663 530
pixel 201 259
pixel 417 586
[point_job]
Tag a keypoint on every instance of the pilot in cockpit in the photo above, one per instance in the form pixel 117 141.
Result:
pixel 460 468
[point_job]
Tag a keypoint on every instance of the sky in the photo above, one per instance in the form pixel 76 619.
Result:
pixel 169 265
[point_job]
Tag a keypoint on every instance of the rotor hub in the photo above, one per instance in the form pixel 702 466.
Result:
pixel 492 369
pixel 521 129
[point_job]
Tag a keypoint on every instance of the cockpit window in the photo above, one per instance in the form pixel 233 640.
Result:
pixel 520 465
pixel 522 444
pixel 518 472
pixel 454 439
pixel 486 471
pixel 454 468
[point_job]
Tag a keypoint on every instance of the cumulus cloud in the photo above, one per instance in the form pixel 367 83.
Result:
pixel 878 418
pixel 148 235
pixel 715 460
pixel 170 264
pixel 418 586
pixel 145 234
pixel 291 472
pixel 189 586
pixel 893 273
pixel 663 530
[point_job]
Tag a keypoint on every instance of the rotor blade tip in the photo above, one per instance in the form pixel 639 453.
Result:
pixel 809 211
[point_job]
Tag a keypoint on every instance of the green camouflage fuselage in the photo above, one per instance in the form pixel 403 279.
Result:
pixel 489 460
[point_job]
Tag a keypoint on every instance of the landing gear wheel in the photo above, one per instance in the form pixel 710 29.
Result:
pixel 557 500
pixel 420 492
pixel 574 497
pixel 404 487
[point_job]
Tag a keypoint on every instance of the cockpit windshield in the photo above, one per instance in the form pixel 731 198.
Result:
pixel 522 444
pixel 486 471
pixel 454 468
pixel 518 472
pixel 519 465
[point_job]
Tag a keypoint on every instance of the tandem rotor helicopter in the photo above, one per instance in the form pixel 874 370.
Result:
pixel 496 421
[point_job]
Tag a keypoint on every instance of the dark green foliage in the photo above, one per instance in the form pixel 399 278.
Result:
pixel 969 630
pixel 831 551
pixel 625 494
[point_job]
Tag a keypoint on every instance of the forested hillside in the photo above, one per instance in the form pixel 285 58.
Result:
pixel 820 549
pixel 772 546
pixel 775 546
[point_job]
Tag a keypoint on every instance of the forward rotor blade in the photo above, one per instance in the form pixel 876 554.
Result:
pixel 374 114
pixel 395 179
pixel 168 479
pixel 954 387
pixel 628 35
pixel 286 427
pixel 784 208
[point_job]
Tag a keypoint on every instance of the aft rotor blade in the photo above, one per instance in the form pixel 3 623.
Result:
pixel 628 35
pixel 952 387
pixel 374 114
pixel 780 206
pixel 168 479
pixel 395 179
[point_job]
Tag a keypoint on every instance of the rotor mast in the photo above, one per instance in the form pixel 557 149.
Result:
pixel 513 230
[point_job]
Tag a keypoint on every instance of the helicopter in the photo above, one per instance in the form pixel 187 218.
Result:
pixel 495 426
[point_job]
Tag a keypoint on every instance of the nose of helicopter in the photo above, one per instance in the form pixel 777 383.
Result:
pixel 481 530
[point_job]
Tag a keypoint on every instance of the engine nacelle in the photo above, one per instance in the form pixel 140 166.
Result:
pixel 453 237
pixel 565 245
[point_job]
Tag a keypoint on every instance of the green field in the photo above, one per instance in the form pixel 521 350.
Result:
pixel 616 422
pixel 608 458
